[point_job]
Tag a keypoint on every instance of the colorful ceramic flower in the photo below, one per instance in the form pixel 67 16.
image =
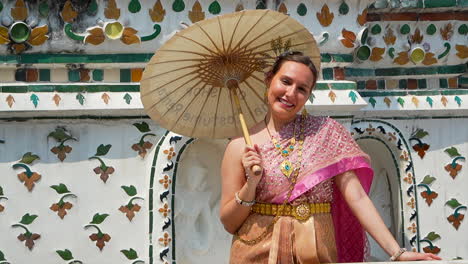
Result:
pixel 142 148
pixel 453 169
pixel 61 151
pixel 61 209
pixel 170 153
pixel 29 180
pixel 19 35
pixel 29 238
pixel 429 196
pixel 100 238
pixel 421 149
pixel 105 172
pixel 165 181
pixel 456 219
pixel 165 240
pixel 130 210
pixel 433 250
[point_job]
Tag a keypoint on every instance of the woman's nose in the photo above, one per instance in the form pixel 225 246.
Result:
pixel 290 91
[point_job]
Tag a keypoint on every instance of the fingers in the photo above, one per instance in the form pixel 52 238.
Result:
pixel 250 158
pixel 257 148
pixel 250 161
pixel 433 256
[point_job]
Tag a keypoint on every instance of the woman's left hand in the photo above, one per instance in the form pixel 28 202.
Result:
pixel 411 256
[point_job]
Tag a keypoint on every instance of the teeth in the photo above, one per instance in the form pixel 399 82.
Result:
pixel 285 102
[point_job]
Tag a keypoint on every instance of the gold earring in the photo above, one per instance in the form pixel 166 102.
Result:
pixel 304 112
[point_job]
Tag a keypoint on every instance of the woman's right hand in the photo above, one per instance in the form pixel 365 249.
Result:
pixel 250 158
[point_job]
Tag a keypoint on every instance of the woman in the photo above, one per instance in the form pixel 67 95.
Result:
pixel 314 174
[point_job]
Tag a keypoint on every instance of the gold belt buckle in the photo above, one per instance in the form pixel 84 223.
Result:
pixel 302 212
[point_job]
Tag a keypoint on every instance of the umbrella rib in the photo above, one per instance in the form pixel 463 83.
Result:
pixel 212 42
pixel 201 109
pixel 178 100
pixel 173 91
pixel 253 90
pixel 192 52
pixel 187 106
pixel 263 33
pixel 285 36
pixel 235 30
pixel 248 107
pixel 216 113
pixel 258 79
pixel 153 105
pixel 169 82
pixel 263 51
pixel 178 69
pixel 248 31
pixel 222 36
pixel 171 61
pixel 194 41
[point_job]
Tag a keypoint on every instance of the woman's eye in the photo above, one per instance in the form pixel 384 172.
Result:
pixel 285 81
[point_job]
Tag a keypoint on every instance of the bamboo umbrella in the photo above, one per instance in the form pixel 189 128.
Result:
pixel 209 78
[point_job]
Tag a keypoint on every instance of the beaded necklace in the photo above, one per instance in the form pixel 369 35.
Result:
pixel 286 166
pixel 294 174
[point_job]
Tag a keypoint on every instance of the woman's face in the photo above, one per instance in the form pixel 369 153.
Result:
pixel 289 89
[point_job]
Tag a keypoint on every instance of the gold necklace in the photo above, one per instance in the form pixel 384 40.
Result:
pixel 294 175
pixel 286 166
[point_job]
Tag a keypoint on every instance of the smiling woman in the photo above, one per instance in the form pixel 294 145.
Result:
pixel 310 203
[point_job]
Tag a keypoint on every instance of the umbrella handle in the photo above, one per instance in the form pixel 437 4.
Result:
pixel 234 85
pixel 257 170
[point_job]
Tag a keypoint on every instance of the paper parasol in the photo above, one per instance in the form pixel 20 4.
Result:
pixel 210 76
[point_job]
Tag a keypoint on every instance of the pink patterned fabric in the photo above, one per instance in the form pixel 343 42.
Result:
pixel 328 150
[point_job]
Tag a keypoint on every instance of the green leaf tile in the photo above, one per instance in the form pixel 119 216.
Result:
pixel 376 29
pixel 302 9
pixel 92 7
pixel 405 29
pixel 344 8
pixel 463 29
pixel 431 29
pixel 261 4
pixel 80 98
pixel 128 98
pixel 43 9
pixel 134 6
pixel 214 8
pixel 178 5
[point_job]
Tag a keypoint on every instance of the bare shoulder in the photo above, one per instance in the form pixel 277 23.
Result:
pixel 235 146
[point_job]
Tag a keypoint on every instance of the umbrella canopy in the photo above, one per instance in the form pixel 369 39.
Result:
pixel 191 84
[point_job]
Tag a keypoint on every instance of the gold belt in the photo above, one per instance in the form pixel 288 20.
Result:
pixel 301 212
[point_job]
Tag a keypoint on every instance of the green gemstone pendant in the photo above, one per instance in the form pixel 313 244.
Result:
pixel 286 168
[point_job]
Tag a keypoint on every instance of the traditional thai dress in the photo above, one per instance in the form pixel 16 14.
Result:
pixel 324 237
